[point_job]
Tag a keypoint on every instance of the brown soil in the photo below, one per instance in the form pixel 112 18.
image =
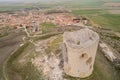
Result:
pixel 114 11
pixel 112 4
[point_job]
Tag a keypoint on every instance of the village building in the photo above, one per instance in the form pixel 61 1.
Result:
pixel 59 18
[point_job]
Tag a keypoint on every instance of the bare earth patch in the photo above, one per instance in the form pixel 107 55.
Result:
pixel 112 4
pixel 114 11
pixel 49 63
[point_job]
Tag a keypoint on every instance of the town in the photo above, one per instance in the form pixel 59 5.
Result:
pixel 32 19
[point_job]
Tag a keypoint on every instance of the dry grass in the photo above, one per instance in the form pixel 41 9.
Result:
pixel 54 44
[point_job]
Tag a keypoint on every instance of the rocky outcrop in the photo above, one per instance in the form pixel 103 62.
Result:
pixel 107 51
pixel 110 54
pixel 79 52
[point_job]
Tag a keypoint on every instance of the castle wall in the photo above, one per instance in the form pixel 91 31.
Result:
pixel 80 54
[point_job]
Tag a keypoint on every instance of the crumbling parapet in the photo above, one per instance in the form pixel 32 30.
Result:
pixel 79 52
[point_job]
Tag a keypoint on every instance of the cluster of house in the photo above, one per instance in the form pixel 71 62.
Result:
pixel 32 21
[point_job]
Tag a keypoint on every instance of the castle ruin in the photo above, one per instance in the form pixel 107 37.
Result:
pixel 79 51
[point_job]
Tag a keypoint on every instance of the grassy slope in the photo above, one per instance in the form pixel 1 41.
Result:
pixel 103 69
pixel 16 70
pixel 25 71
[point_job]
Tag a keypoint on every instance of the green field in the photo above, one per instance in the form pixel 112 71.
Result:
pixel 84 4
pixel 13 7
pixel 46 26
pixel 5 7
pixel 110 21
pixel 101 17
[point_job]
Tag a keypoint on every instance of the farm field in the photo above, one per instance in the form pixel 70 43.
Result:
pixel 101 17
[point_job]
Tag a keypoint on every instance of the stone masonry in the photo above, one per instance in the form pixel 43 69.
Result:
pixel 79 51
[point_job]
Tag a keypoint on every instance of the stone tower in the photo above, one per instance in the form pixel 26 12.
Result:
pixel 79 51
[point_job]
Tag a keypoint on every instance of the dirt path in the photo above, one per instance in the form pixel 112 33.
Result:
pixel 117 34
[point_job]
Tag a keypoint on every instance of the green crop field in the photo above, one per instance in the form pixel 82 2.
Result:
pixel 13 7
pixel 46 26
pixel 110 21
pixel 101 17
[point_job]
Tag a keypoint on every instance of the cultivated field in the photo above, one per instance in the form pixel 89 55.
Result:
pixel 101 17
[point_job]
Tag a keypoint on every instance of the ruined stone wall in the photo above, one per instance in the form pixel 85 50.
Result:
pixel 79 56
